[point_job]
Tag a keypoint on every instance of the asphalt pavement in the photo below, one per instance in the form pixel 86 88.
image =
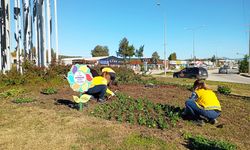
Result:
pixel 213 75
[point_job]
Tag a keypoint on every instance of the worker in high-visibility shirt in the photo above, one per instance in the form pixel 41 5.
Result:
pixel 203 103
pixel 103 69
pixel 99 87
pixel 110 71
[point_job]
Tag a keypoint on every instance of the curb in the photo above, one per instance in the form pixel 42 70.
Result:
pixel 245 75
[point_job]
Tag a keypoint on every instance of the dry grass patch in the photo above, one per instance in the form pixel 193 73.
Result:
pixel 32 127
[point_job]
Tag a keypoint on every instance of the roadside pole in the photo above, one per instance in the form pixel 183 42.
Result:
pixel 165 61
pixel 49 31
pixel 249 53
pixel 56 31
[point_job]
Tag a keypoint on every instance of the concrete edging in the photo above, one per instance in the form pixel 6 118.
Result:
pixel 245 75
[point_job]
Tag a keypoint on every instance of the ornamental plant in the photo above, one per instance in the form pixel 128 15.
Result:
pixel 224 90
pixel 49 91
pixel 200 142
pixel 140 111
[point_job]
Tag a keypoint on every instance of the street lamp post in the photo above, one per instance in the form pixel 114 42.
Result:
pixel 193 30
pixel 165 62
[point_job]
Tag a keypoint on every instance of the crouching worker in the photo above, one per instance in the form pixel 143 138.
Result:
pixel 99 87
pixel 111 73
pixel 203 103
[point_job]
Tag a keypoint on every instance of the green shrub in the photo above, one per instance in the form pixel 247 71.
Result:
pixel 123 74
pixel 12 77
pixel 189 87
pixel 33 74
pixel 224 90
pixel 126 75
pixel 31 70
pixel 11 93
pixel 243 66
pixel 49 91
pixel 138 111
pixel 53 71
pixel 23 100
pixel 200 142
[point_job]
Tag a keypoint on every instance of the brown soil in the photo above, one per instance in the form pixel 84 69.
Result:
pixel 166 94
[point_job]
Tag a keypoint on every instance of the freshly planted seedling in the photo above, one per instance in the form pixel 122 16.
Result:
pixel 162 124
pixel 173 116
pixel 49 91
pixel 149 105
pixel 141 120
pixel 151 123
pixel 119 117
pixel 139 104
pixel 158 108
pixel 131 108
pixel 23 100
pixel 131 118
pixel 138 111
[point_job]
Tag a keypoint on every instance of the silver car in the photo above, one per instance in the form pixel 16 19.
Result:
pixel 228 70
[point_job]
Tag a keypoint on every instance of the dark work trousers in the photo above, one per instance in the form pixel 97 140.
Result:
pixel 195 111
pixel 97 91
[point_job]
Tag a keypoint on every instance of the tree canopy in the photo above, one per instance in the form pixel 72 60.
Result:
pixel 100 51
pixel 243 68
pixel 125 50
pixel 172 56
pixel 139 52
pixel 213 59
pixel 155 57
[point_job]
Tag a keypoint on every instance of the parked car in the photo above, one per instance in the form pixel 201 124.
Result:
pixel 226 70
pixel 192 72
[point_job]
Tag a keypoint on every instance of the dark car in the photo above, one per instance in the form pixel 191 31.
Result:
pixel 193 72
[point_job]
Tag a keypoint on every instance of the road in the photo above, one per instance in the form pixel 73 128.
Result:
pixel 236 78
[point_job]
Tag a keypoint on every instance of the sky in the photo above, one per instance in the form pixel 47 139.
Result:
pixel 221 26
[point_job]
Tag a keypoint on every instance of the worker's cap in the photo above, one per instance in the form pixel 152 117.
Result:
pixel 109 70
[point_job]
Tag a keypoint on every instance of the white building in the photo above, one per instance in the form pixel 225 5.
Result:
pixel 69 61
pixel 177 64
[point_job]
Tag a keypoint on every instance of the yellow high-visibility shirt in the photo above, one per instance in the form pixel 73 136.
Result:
pixel 109 70
pixel 99 80
pixel 207 99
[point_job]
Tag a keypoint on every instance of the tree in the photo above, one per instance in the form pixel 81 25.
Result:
pixel 139 52
pixel 131 51
pixel 172 56
pixel 125 50
pixel 243 68
pixel 123 47
pixel 155 57
pixel 213 59
pixel 100 51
